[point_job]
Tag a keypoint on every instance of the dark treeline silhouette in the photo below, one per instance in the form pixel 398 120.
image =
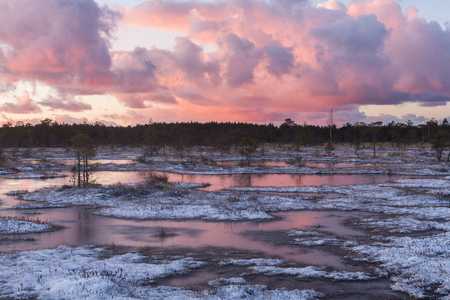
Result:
pixel 220 135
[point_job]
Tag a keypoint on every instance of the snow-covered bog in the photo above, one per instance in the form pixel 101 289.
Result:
pixel 10 225
pixel 72 273
pixel 36 176
pixel 419 265
pixel 172 201
pixel 312 238
pixel 94 273
pixel 408 218
pixel 273 267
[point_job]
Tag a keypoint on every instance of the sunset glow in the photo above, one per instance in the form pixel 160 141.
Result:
pixel 126 62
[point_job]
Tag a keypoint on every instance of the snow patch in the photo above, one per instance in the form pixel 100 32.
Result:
pixel 9 225
pixel 36 176
pixel 93 273
pixel 227 281
pixel 273 267
pixel 417 265
pixel 311 272
pixel 312 238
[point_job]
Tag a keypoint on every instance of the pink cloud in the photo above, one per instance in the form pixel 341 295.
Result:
pixel 241 59
pixel 190 58
pixel 178 16
pixel 280 60
pixel 160 14
pixel 22 106
pixel 244 58
pixel 62 43
pixel 65 104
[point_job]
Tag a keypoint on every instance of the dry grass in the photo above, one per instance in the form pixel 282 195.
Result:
pixel 161 178
pixel 158 181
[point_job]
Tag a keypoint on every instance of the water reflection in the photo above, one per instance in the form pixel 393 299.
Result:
pixel 218 182
pixel 83 228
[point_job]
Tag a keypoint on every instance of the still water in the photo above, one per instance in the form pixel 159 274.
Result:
pixel 217 182
pixel 81 227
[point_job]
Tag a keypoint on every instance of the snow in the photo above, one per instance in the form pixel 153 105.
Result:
pixel 36 176
pixel 417 264
pixel 273 267
pixel 6 171
pixel 311 272
pixel 9 225
pixel 408 220
pixel 17 193
pixel 404 225
pixel 205 212
pixel 412 161
pixel 257 292
pixel 227 281
pixel 95 273
pixel 312 238
pixel 81 272
pixel 424 183
pixel 169 202
pixel 305 189
pixel 253 262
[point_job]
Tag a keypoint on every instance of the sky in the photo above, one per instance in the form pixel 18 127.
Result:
pixel 130 62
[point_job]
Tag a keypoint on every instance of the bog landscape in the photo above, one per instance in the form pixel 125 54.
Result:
pixel 224 149
pixel 194 211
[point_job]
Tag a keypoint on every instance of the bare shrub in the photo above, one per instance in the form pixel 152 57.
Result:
pixel 297 160
pixel 242 163
pixel 329 147
pixel 163 233
pixel 3 158
pixel 208 161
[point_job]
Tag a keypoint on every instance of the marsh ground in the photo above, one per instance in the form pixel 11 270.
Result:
pixel 299 224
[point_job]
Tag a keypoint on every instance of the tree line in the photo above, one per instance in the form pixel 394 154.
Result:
pixel 154 136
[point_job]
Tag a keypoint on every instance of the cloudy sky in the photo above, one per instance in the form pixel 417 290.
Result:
pixel 126 62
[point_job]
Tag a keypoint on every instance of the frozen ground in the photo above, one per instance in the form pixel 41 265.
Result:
pixel 308 160
pixel 169 201
pixel 273 267
pixel 407 222
pixel 95 273
pixel 10 225
pixel 36 176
